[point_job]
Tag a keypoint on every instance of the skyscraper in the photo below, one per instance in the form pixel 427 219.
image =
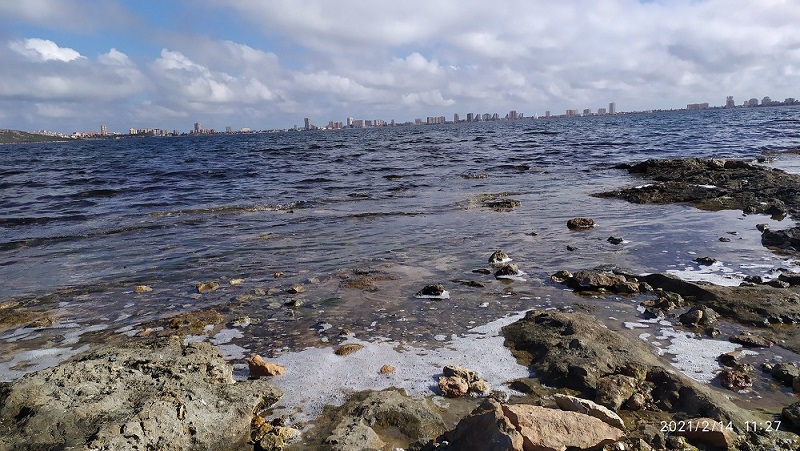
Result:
pixel 103 130
pixel 198 127
pixel 612 108
pixel 729 103
pixel 308 124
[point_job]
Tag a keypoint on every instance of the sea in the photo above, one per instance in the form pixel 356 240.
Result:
pixel 314 236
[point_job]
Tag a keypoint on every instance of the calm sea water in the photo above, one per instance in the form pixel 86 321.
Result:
pixel 82 223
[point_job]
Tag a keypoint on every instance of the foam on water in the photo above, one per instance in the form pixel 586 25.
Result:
pixel 417 369
pixel 35 360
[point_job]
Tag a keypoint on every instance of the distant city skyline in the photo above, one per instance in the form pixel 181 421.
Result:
pixel 68 65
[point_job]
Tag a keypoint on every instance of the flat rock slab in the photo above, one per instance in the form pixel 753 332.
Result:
pixel 152 395
pixel 714 184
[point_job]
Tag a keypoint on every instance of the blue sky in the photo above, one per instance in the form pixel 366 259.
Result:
pixel 71 65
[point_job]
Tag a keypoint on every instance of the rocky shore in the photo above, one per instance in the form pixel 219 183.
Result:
pixel 590 387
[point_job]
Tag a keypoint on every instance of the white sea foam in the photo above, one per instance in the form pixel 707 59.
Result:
pixel 694 356
pixel 481 349
pixel 35 360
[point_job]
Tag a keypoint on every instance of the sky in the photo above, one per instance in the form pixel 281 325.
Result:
pixel 71 65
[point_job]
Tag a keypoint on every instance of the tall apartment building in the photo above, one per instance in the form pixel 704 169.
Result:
pixel 470 117
pixel 103 130
pixel 198 127
pixel 455 118
pixel 729 103
pixel 612 108
pixel 307 124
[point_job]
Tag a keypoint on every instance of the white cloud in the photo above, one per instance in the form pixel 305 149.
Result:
pixel 115 58
pixel 43 50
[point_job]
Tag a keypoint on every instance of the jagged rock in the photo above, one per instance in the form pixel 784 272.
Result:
pixel 508 270
pixel 259 367
pixel 156 395
pixel 573 403
pixel 486 429
pixel 206 287
pixel 791 413
pixel 615 240
pixel 561 277
pixel 751 341
pixel 498 258
pixel 614 390
pixel 457 371
pixel 435 291
pixel 387 369
pixel 296 289
pixel 371 419
pixel 347 349
pixel 699 315
pixel 580 223
pixel 705 261
pixel 502 204
pixel 453 386
pixel 735 380
pixel 479 389
pixel 785 373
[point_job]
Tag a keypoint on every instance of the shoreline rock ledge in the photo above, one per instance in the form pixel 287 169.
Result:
pixel 156 394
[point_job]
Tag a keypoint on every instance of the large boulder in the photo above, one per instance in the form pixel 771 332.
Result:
pixel 494 426
pixel 373 419
pixel 154 395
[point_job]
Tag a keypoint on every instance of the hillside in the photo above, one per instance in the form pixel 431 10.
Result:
pixel 17 136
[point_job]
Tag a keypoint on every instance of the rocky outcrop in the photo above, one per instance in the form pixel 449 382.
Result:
pixel 457 381
pixel 376 420
pixel 155 395
pixel 714 184
pixel 580 223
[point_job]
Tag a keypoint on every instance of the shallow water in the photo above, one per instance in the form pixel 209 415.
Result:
pixel 363 219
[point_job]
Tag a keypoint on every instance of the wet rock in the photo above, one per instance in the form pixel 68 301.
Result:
pixel 790 278
pixel 142 288
pixel 502 204
pixel 637 401
pixel 40 323
pixel 482 271
pixel 751 341
pixel 436 291
pixel 572 248
pixel 584 406
pixel 785 373
pixel 155 395
pixel 296 289
pixel 698 316
pixel 470 283
pixel 479 389
pixel 271 436
pixel 235 282
pixel 206 287
pixel 543 341
pixel 498 258
pixel 508 270
pixel 387 369
pixel 791 413
pixel 614 390
pixel 347 349
pixel 580 223
pixel 705 261
pixel 758 280
pixel 546 429
pixel 486 429
pixel 615 240
pixel 195 322
pixel 704 184
pixel 561 277
pixel 777 283
pixel 788 239
pixel 735 380
pixel 724 239
pixel 458 371
pixel 371 420
pixel 259 367
pixel 730 359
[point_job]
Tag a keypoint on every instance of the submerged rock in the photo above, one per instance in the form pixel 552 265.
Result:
pixel 508 271
pixel 154 395
pixel 206 287
pixel 580 223
pixel 435 291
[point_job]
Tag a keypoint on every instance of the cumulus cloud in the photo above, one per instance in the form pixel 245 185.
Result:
pixel 43 50
pixel 285 60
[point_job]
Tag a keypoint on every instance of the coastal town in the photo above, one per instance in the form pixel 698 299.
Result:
pixel 351 122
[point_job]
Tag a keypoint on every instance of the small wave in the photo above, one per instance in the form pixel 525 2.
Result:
pixel 380 214
pixel 98 193
pixel 232 209
pixel 11 222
